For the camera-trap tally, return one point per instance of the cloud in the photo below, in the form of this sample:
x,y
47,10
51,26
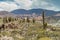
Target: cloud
x,y
24,4
49,6
8,6
7,0
44,4
1,9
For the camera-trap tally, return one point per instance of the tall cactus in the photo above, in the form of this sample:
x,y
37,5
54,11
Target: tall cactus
x,y
44,24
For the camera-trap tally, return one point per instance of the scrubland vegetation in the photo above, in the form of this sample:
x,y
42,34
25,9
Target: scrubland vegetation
x,y
25,29
21,29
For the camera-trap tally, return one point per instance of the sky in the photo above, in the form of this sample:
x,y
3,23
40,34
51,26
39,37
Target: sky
x,y
9,5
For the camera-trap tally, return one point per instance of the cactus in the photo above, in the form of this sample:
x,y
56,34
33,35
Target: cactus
x,y
44,24
9,19
23,20
28,20
33,20
5,20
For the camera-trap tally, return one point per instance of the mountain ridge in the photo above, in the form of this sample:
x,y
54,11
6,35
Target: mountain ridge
x,y
36,11
31,11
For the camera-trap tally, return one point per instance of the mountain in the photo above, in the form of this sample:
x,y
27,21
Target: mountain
x,y
58,14
6,13
20,12
36,11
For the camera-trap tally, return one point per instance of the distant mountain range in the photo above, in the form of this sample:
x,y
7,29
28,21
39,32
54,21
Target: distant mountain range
x,y
31,11
36,11
6,13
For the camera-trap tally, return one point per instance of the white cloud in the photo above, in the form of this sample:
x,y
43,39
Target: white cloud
x,y
44,5
28,4
53,8
8,6
25,4
49,6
